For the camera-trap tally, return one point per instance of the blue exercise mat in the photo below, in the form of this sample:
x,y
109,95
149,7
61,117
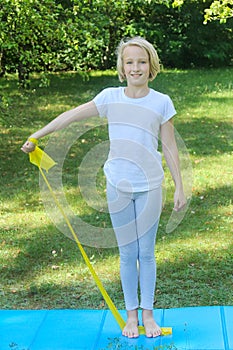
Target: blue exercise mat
x,y
194,328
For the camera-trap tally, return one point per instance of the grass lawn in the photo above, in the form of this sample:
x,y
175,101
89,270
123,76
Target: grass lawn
x,y
42,268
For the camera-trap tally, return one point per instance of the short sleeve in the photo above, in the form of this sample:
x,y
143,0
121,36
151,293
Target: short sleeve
x,y
101,102
169,109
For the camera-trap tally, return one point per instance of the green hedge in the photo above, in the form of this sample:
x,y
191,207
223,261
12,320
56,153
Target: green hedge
x,y
51,35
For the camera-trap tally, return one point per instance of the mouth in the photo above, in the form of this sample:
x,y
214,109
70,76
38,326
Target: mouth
x,y
136,75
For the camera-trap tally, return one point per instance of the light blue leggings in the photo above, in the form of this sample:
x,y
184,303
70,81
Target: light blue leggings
x,y
135,218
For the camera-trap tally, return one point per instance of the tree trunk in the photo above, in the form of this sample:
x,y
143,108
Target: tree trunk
x,y
23,75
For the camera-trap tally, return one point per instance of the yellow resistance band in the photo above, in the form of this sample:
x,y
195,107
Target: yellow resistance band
x,y
42,160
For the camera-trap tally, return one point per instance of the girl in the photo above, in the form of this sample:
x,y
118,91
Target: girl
x,y
136,116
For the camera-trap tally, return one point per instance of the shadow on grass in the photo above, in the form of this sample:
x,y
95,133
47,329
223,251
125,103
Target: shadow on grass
x,y
192,277
206,136
43,248
195,277
46,249
206,205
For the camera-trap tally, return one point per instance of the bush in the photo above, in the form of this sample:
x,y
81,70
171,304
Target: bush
x,y
82,35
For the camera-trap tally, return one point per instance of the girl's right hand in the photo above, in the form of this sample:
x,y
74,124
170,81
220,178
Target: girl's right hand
x,y
179,200
28,147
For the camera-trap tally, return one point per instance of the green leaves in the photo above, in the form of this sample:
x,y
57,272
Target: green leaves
x,y
27,29
219,10
44,36
177,3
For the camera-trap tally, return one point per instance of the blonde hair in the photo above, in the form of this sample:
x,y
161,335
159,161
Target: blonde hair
x,y
144,44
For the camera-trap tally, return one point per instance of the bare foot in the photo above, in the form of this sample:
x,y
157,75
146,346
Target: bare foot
x,y
152,330
131,327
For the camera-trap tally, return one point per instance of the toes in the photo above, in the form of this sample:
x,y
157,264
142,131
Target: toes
x,y
157,333
153,332
130,333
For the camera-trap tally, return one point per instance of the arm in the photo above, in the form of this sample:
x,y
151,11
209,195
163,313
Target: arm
x,y
84,111
171,155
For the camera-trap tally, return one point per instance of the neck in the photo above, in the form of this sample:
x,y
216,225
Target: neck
x,y
136,92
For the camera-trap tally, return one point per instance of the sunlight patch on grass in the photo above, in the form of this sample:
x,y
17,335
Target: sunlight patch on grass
x,y
50,107
27,220
109,72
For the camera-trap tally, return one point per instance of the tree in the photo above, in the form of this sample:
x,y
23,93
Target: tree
x,y
31,37
218,10
52,35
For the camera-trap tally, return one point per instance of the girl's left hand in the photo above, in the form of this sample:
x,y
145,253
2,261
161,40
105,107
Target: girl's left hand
x,y
179,200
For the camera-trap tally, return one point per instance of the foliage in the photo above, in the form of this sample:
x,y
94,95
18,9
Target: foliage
x,y
26,34
36,36
55,35
195,45
219,10
183,41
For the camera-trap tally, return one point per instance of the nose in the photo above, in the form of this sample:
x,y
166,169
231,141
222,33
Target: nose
x,y
135,67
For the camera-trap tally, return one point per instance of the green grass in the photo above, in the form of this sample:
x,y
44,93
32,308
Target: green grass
x,y
42,268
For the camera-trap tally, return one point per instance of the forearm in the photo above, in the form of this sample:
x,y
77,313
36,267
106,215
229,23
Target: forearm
x,y
171,155
170,152
66,118
58,123
172,159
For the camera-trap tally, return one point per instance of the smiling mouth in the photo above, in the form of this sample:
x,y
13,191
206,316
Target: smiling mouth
x,y
136,75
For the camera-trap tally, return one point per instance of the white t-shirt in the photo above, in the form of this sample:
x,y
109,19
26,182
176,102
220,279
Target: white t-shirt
x,y
134,163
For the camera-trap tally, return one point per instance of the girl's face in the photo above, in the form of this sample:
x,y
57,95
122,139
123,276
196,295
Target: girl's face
x,y
136,66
